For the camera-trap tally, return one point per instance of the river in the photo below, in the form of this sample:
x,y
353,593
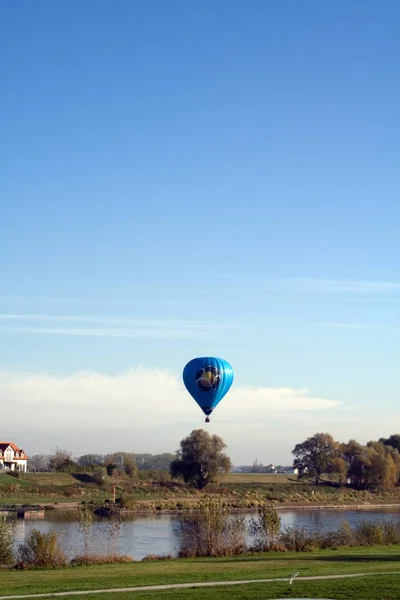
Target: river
x,y
142,535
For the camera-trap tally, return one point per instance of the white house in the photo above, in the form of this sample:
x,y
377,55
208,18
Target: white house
x,y
12,457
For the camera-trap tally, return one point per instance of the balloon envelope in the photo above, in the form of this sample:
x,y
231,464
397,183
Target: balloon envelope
x,y
208,379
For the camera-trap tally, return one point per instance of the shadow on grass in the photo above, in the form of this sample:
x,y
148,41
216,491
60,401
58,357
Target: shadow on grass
x,y
83,477
303,557
361,558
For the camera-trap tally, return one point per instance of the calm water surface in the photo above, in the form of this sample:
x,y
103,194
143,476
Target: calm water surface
x,y
154,534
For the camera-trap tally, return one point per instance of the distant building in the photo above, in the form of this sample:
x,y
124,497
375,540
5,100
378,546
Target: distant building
x,y
12,458
291,470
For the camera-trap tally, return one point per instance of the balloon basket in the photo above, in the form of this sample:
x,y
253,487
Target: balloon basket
x,y
207,420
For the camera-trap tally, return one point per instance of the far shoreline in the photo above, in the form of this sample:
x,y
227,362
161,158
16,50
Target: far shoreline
x,y
71,506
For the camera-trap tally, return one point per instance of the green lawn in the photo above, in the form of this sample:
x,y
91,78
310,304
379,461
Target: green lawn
x,y
266,478
262,566
6,479
380,587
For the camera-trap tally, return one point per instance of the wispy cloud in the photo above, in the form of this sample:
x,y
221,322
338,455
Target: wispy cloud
x,y
348,325
112,326
127,321
106,301
344,285
111,332
318,285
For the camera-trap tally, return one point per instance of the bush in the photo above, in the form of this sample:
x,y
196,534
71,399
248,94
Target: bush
x,y
85,527
6,541
299,539
102,559
391,533
99,475
369,534
265,529
41,550
211,531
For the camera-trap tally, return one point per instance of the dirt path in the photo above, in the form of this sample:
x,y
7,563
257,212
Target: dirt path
x,y
155,588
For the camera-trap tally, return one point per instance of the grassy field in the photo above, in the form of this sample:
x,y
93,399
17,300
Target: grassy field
x,y
264,478
239,490
262,566
371,588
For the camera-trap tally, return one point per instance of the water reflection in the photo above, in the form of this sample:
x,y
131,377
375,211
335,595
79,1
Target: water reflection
x,y
141,535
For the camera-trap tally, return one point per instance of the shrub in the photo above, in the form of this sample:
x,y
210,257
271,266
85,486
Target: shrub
x,y
211,531
6,541
41,550
391,533
99,475
85,526
265,529
298,539
102,559
369,534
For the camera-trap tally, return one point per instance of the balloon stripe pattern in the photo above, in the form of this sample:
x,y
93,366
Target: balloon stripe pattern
x,y
208,379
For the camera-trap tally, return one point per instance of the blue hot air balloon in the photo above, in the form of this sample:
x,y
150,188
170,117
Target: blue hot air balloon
x,y
208,379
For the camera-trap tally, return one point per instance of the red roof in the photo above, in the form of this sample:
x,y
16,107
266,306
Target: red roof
x,y
4,446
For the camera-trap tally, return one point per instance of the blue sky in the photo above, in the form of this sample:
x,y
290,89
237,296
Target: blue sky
x,y
182,179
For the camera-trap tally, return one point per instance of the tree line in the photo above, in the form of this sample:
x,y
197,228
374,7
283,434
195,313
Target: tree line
x,y
371,466
198,461
62,459
201,458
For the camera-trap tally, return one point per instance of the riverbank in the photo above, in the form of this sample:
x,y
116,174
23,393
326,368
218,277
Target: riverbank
x,y
149,510
380,560
243,492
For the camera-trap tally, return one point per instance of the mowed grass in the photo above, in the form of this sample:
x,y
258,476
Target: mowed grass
x,y
267,478
379,587
247,567
6,479
57,479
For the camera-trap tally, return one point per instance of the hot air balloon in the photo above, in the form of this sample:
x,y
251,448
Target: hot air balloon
x,y
208,379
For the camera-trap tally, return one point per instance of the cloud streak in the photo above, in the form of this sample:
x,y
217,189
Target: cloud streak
x,y
70,300
138,322
349,325
322,285
113,326
344,285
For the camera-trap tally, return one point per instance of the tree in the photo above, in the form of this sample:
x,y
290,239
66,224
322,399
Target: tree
x,y
339,466
374,466
315,455
91,460
200,459
358,458
393,441
39,462
130,467
6,541
61,460
154,461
